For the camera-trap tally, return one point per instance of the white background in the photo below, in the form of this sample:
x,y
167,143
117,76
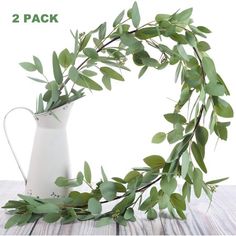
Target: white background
x,y
113,129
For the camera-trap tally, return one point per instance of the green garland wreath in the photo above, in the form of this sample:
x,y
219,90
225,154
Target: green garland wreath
x,y
199,81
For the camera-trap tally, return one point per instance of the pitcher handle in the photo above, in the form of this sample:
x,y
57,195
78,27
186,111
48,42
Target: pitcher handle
x,y
8,140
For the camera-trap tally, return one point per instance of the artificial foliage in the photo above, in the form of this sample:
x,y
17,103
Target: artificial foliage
x,y
99,58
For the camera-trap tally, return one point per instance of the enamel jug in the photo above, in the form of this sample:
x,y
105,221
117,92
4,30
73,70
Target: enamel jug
x,y
50,156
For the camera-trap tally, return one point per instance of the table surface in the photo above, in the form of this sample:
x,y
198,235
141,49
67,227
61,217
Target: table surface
x,y
220,219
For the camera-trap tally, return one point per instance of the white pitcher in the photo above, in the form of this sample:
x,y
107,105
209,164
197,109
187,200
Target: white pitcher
x,y
50,156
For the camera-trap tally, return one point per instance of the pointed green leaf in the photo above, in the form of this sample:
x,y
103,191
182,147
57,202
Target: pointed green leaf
x,y
12,221
135,15
204,29
197,182
175,118
198,156
147,33
216,181
87,172
222,108
182,52
109,72
118,19
102,31
28,66
38,64
209,68
201,134
185,164
85,41
107,82
57,69
177,201
215,89
37,80
159,137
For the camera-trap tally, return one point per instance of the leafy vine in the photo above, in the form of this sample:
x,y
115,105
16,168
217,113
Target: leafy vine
x,y
199,80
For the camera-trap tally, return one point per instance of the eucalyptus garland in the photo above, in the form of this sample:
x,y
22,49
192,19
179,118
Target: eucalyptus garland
x,y
107,54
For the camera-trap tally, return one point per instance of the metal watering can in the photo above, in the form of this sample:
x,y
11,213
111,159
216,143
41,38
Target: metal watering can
x,y
50,155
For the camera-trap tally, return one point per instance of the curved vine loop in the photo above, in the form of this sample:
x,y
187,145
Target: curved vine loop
x,y
199,81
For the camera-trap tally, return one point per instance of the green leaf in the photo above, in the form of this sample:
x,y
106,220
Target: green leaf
x,y
178,70
109,72
152,214
28,66
118,19
182,52
38,64
197,182
155,161
175,118
209,68
56,69
201,134
79,178
133,44
94,206
176,134
222,108
89,73
203,46
191,38
91,53
177,201
204,29
103,174
104,221
131,175
12,221
51,217
221,130
159,137
162,17
40,107
83,80
102,31
215,89
135,15
47,208
107,82
37,80
108,190
142,71
25,217
85,41
168,185
184,15
185,164
124,203
216,181
198,156
87,172
147,33
65,58
129,214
